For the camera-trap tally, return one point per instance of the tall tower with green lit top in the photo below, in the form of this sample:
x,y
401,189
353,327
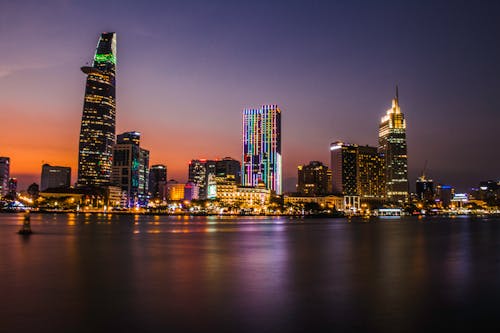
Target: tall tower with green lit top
x,y
97,132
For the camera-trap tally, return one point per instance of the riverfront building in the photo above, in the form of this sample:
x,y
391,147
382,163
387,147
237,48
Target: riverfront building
x,y
392,145
261,160
158,182
97,132
357,171
131,169
314,179
55,177
4,176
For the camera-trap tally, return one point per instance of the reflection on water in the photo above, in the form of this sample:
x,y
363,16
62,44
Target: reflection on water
x,y
87,272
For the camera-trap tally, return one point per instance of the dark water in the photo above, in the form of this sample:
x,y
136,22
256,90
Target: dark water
x,y
89,273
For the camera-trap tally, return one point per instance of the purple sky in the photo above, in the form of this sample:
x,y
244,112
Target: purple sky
x,y
186,69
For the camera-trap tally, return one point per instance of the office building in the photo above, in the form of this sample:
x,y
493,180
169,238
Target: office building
x,y
424,189
392,145
262,158
357,171
202,173
191,191
4,176
131,169
12,191
228,166
175,190
55,177
158,182
314,179
97,132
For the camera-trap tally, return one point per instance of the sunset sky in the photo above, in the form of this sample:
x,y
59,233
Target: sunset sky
x,y
186,70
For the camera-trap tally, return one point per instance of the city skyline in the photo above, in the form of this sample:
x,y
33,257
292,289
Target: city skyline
x,y
327,94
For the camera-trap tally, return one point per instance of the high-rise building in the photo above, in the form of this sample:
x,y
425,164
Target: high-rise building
x,y
12,187
261,160
228,167
4,176
131,168
371,173
55,177
97,133
392,144
357,171
343,163
424,188
314,179
202,172
158,182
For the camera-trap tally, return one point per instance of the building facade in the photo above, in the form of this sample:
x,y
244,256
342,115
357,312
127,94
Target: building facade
x,y
314,179
4,176
202,173
158,182
357,171
131,169
97,132
262,160
228,167
392,145
55,177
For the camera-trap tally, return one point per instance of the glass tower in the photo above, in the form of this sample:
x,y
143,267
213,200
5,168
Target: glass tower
x,y
97,132
392,145
262,147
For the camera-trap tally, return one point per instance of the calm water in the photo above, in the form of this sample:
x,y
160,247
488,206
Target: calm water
x,y
87,273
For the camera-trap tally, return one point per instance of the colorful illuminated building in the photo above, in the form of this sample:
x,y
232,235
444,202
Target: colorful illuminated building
x,y
262,147
131,169
392,145
97,132
314,179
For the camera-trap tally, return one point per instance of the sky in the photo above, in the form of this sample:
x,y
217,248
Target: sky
x,y
187,69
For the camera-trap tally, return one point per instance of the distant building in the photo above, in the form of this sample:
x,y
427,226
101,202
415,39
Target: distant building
x,y
357,171
158,182
202,173
327,202
131,169
392,145
314,179
191,191
424,189
12,188
262,147
175,190
244,197
228,166
4,176
97,132
55,177
444,194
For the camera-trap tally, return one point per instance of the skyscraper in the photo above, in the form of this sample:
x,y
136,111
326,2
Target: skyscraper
x,y
314,179
357,170
158,182
55,177
97,133
4,176
131,168
392,144
228,167
261,160
202,173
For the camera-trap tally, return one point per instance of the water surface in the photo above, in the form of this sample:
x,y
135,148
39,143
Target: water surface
x,y
88,273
